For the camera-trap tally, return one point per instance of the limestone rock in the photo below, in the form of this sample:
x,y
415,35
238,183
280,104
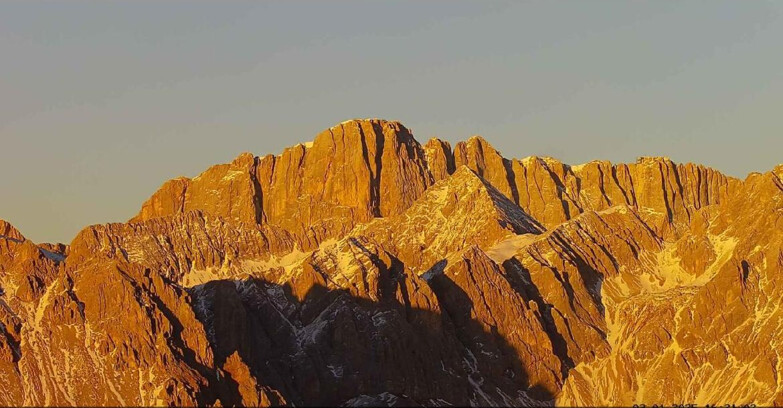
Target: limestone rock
x,y
440,158
364,268
455,213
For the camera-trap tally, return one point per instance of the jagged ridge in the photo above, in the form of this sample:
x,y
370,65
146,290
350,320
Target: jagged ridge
x,y
367,268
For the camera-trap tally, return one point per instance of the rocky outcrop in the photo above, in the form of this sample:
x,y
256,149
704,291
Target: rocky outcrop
x,y
349,174
168,200
705,325
365,268
110,328
352,172
481,297
665,193
440,159
188,248
363,169
455,213
227,190
25,269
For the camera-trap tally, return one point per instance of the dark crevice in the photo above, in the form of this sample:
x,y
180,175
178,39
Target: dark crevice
x,y
512,180
520,280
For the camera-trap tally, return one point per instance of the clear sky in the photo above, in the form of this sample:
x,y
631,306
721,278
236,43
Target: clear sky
x,y
101,102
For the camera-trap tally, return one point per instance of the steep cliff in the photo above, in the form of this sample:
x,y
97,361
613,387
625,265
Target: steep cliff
x,y
364,268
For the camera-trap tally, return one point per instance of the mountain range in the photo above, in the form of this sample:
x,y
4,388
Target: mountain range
x,y
365,268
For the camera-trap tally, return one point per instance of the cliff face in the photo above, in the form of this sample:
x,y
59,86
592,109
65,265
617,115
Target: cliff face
x,y
359,170
349,174
366,268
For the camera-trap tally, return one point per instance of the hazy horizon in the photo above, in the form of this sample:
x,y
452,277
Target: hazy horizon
x,y
103,102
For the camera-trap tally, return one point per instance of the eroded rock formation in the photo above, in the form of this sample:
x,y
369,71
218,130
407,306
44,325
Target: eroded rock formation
x,y
364,268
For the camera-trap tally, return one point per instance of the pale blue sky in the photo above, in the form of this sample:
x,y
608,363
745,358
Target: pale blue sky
x,y
100,102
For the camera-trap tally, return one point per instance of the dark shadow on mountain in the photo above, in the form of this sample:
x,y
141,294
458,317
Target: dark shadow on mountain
x,y
521,282
511,178
176,338
745,271
590,277
325,347
489,354
9,334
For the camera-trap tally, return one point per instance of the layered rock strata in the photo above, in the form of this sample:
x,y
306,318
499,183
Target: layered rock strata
x,y
364,268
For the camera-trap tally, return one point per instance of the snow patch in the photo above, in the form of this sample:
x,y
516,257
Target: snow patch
x,y
337,372
232,175
434,271
527,161
52,255
198,277
507,248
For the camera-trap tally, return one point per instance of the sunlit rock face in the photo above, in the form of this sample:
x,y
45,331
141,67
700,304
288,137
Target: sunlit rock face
x,y
364,268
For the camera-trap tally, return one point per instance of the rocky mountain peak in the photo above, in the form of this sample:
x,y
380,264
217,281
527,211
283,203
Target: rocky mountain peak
x,y
366,268
778,171
361,169
8,231
461,210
